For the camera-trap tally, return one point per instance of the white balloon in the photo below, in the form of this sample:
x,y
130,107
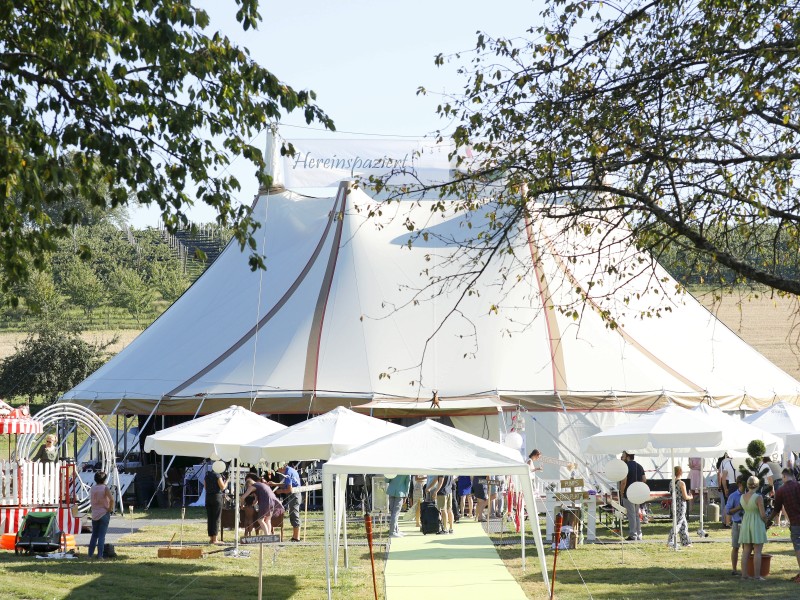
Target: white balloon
x,y
616,469
514,440
638,492
390,475
218,466
214,456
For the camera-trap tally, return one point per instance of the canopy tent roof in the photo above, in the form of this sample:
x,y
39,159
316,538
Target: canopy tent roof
x,y
737,434
354,309
430,448
780,419
219,434
320,438
684,431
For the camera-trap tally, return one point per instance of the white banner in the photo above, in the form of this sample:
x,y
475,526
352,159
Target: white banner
x,y
325,163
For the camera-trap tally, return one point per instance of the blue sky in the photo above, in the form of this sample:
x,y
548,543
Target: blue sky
x,y
365,60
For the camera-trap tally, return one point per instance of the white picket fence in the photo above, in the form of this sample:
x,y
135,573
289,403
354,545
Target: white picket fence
x,y
39,483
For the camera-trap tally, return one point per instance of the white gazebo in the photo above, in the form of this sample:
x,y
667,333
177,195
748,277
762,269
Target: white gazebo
x,y
219,435
672,428
428,448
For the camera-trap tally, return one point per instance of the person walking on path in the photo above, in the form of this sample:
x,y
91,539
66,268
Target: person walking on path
x,y
681,500
464,488
635,473
102,505
753,531
734,509
398,491
788,499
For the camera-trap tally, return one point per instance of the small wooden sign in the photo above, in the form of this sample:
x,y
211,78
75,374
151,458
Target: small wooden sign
x,y
572,496
260,539
571,483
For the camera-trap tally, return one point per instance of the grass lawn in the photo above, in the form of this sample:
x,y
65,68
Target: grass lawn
x,y
605,570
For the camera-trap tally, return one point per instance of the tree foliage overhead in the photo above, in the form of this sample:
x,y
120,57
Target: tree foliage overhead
x,y
679,119
118,101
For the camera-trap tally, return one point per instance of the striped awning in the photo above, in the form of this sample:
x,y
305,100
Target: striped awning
x,y
15,425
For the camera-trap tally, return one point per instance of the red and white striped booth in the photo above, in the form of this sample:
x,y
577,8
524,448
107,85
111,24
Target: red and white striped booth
x,y
11,518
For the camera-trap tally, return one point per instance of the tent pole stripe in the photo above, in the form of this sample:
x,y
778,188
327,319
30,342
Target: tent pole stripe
x,y
275,309
315,334
620,330
557,362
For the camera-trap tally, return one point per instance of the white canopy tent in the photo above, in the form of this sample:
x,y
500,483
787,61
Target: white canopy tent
x,y
781,419
428,448
219,435
319,438
681,431
737,434
356,310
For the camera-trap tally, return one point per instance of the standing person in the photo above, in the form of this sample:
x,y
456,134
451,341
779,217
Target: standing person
x,y
464,490
215,484
635,473
480,488
47,452
268,503
291,481
102,504
442,488
681,500
753,531
735,510
417,495
788,498
726,476
533,465
398,491
695,474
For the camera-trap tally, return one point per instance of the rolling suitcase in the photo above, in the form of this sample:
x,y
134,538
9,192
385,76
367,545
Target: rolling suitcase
x,y
430,518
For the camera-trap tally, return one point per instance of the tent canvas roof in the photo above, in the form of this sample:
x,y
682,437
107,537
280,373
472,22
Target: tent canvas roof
x,y
320,438
430,448
353,310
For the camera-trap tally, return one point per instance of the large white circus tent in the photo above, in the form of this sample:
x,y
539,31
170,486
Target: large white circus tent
x,y
355,309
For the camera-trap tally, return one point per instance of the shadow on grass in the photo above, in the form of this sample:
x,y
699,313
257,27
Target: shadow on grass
x,y
655,582
153,579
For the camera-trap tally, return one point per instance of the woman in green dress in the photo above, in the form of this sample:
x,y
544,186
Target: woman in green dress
x,y
753,531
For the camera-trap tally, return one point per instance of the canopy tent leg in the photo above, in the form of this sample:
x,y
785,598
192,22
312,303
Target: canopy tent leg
x,y
701,532
327,519
674,506
236,506
533,518
341,515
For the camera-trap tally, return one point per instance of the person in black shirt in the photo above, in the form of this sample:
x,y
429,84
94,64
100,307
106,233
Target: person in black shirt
x,y
635,473
214,484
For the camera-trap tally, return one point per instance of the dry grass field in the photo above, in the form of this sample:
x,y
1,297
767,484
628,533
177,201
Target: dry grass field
x,y
10,340
770,324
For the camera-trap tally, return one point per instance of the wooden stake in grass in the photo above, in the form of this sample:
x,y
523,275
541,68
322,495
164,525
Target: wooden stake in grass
x,y
557,540
368,527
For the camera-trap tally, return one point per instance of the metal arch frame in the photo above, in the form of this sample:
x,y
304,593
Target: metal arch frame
x,y
65,410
